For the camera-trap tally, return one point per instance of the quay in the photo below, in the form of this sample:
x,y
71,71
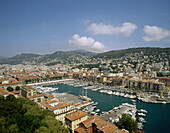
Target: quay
x,y
50,82
72,99
113,115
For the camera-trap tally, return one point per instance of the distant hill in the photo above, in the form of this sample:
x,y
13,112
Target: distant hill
x,y
123,52
20,58
25,56
66,57
1,58
84,52
54,58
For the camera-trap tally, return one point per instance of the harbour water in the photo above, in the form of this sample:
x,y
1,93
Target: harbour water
x,y
158,116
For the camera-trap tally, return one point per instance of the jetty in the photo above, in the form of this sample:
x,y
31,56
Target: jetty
x,y
114,114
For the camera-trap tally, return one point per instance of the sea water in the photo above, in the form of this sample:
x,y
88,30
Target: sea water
x,y
158,116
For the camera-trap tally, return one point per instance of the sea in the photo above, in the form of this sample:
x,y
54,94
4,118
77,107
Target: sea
x,y
158,116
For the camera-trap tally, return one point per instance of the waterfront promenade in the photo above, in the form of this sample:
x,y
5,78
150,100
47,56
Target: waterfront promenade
x,y
50,82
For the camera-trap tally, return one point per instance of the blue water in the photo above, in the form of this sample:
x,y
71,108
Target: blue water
x,y
158,116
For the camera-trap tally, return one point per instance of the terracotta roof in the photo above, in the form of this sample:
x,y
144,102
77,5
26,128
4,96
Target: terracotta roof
x,y
81,103
15,92
48,95
39,95
24,77
3,91
52,101
108,81
75,115
80,130
101,124
11,83
60,105
5,78
27,87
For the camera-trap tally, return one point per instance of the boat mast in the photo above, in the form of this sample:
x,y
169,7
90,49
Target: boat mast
x,y
82,91
86,92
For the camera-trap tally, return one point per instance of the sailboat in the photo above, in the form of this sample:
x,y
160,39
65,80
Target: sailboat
x,y
84,96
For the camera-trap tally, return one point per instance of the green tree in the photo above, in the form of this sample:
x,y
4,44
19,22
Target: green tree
x,y
127,122
2,125
24,116
2,98
42,129
17,88
55,126
13,128
26,81
9,88
11,98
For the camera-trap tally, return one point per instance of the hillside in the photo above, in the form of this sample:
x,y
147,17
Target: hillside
x,y
48,59
20,115
77,56
20,58
145,50
84,52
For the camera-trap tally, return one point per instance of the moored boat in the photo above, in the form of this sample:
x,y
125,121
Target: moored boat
x,y
141,114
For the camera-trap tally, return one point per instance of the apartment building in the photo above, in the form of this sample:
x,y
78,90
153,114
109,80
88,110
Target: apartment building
x,y
60,109
27,91
72,120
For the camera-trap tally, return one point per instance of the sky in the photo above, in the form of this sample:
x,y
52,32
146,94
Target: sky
x,y
46,26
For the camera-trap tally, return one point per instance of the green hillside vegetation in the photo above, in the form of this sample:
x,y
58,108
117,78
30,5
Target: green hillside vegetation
x,y
58,54
84,52
20,115
18,59
120,53
66,57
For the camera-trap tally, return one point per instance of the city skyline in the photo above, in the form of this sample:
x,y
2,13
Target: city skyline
x,y
44,27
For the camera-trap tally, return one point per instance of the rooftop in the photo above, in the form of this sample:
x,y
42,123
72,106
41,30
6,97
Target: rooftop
x,y
39,95
76,115
27,87
58,106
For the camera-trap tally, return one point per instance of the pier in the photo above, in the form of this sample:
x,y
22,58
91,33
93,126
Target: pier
x,y
113,115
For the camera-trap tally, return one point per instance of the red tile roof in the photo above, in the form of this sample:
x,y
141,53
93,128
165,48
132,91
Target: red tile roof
x,y
75,115
101,124
27,87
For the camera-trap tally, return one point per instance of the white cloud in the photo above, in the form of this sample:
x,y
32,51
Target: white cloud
x,y
86,43
126,29
154,33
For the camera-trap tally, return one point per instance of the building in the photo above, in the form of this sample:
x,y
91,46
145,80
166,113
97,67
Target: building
x,y
27,91
12,84
72,120
145,85
5,93
97,125
60,109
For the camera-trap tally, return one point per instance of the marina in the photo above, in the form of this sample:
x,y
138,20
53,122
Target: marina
x,y
105,103
158,114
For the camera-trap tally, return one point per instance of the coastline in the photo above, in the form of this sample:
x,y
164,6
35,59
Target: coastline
x,y
138,96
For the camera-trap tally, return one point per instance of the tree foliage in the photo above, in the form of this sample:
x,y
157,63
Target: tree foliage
x,y
20,115
17,88
9,88
128,123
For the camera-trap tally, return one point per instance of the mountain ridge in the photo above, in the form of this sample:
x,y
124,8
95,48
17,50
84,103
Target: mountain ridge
x,y
75,55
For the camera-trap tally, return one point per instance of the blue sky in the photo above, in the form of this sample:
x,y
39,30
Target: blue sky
x,y
46,26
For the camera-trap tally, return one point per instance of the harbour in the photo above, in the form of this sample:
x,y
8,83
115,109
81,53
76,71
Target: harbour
x,y
157,114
